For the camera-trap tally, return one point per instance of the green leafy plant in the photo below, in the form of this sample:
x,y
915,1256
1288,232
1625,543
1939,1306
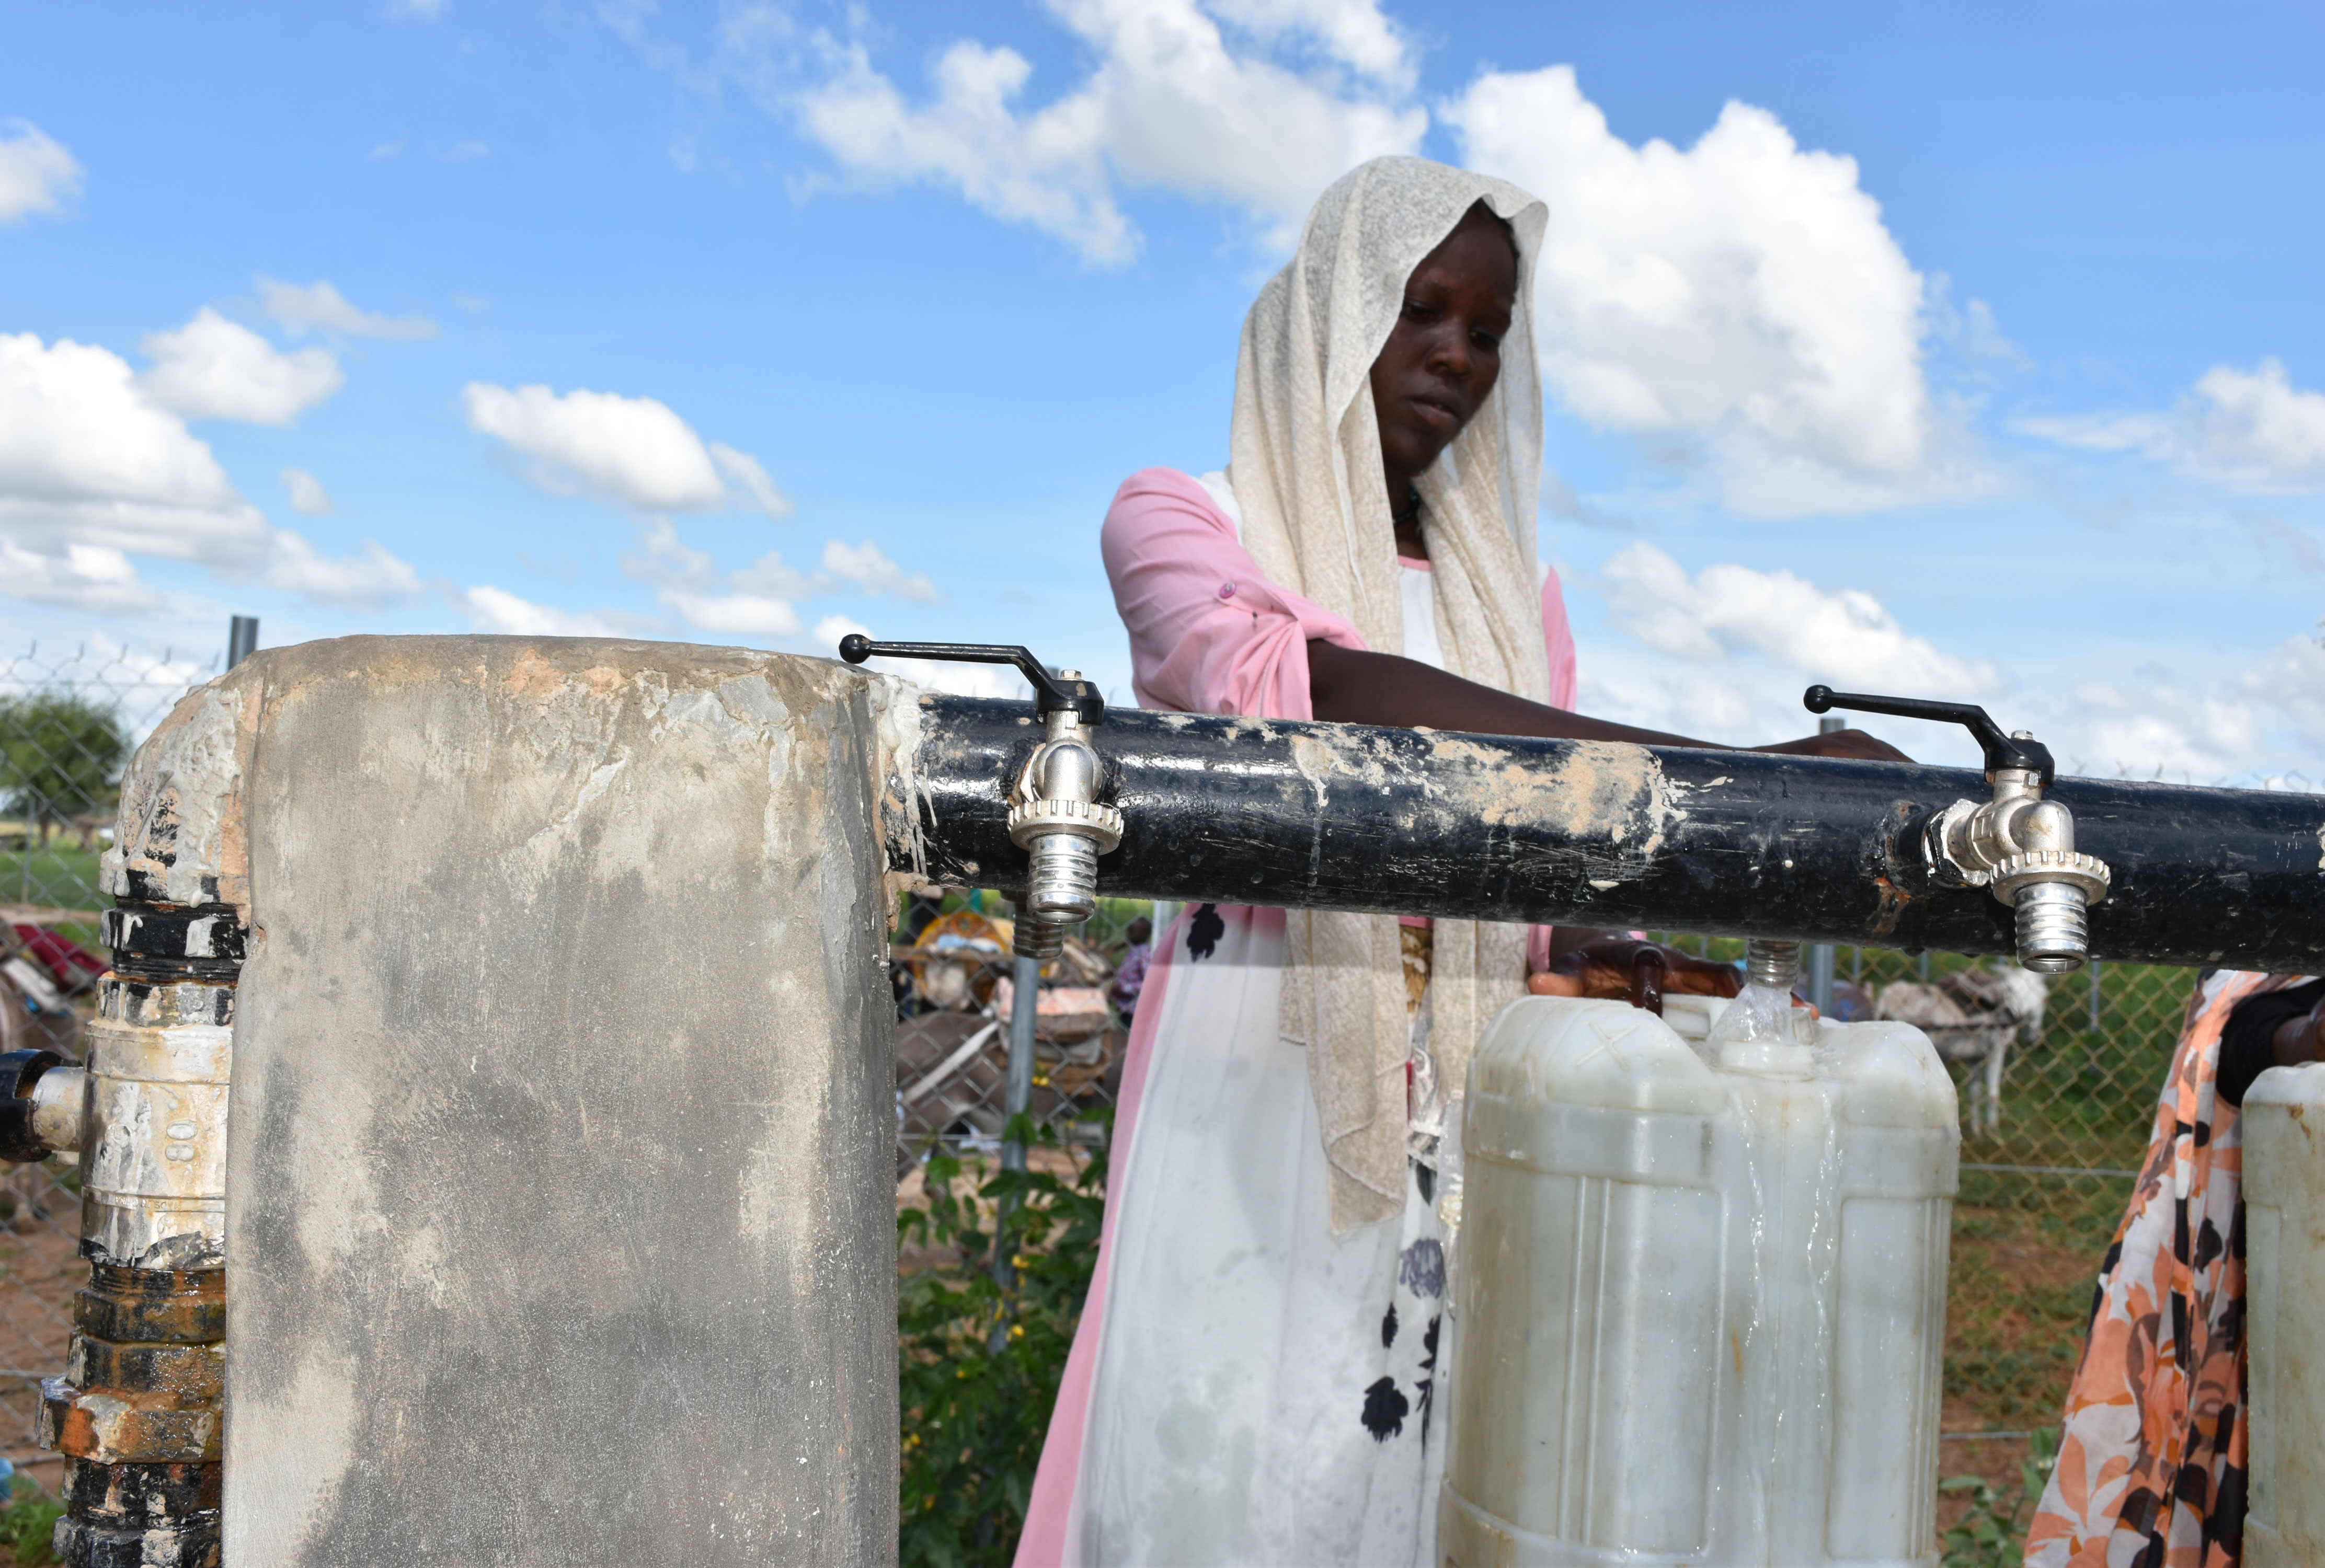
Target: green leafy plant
x,y
1992,1533
981,1360
59,755
28,1522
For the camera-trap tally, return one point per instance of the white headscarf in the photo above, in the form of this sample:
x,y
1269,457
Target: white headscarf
x,y
1306,468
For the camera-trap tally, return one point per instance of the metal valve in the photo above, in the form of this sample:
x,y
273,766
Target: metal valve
x,y
2018,845
1054,813
39,1105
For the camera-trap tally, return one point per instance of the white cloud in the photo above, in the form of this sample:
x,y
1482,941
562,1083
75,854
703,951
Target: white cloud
x,y
318,307
2178,734
1741,287
86,458
756,602
665,559
308,497
2177,723
498,610
1843,635
752,489
868,566
77,576
369,579
2250,430
36,174
1355,34
418,10
994,680
1739,305
1621,687
633,452
1172,103
92,472
771,576
740,615
212,368
2291,681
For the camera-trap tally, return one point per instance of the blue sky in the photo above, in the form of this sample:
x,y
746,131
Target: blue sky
x,y
1967,350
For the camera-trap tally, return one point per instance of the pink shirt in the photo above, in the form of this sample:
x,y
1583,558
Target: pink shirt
x,y
1209,634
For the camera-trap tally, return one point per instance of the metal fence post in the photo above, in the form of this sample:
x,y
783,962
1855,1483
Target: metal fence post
x,y
1026,998
241,640
1820,953
2091,1061
1025,1001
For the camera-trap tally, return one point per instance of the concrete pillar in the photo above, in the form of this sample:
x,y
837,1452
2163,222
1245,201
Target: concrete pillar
x,y
560,1197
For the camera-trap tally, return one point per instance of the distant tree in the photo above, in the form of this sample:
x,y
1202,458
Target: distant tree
x,y
61,756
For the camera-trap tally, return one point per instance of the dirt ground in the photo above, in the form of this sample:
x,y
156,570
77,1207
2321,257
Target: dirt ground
x,y
41,1266
2021,1287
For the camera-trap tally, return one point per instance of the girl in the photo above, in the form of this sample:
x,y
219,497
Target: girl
x,y
1255,1373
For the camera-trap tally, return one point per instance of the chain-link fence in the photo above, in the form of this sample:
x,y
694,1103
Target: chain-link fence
x,y
2059,1084
2059,1079
953,968
68,725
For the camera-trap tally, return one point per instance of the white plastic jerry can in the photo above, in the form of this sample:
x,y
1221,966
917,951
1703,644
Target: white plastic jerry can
x,y
2284,1301
1701,1307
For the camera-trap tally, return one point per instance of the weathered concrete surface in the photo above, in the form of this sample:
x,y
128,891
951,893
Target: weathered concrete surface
x,y
560,1221
178,838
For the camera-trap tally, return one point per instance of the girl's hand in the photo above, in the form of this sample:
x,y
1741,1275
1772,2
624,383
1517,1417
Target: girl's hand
x,y
2301,1039
1639,973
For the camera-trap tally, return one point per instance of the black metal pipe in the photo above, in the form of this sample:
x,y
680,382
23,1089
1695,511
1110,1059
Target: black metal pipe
x,y
1346,817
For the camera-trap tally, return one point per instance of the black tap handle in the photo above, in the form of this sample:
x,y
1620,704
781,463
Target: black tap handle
x,y
2002,751
1051,695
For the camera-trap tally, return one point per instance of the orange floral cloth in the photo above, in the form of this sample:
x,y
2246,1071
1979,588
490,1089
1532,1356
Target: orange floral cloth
x,y
2152,1468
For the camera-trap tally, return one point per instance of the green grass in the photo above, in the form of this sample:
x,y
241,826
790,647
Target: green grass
x,y
28,1521
1991,1531
60,875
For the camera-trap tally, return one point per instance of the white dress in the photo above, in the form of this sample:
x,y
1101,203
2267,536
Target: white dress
x,y
1264,1394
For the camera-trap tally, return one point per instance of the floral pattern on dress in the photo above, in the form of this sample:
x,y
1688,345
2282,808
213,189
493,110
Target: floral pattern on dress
x,y
2152,1466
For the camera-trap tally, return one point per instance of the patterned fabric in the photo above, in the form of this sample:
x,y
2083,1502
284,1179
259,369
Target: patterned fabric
x,y
2152,1470
1131,977
1413,942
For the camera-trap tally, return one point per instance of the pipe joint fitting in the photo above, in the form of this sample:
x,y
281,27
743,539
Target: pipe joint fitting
x,y
41,1101
1055,817
2019,844
2021,847
1772,963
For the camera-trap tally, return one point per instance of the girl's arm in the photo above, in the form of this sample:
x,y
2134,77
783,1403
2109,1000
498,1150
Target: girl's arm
x,y
2297,1040
1349,685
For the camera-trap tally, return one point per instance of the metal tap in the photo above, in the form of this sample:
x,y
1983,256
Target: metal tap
x,y
2017,845
41,1106
1055,815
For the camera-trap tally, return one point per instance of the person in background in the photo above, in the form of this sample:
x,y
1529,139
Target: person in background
x,y
1130,975
2153,1464
1253,1376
